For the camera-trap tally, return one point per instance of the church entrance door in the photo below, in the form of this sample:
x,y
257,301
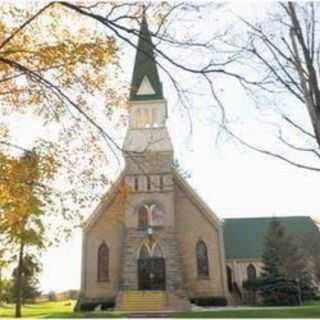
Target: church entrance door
x,y
151,273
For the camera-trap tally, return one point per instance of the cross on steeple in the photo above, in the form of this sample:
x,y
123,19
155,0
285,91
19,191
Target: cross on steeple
x,y
145,84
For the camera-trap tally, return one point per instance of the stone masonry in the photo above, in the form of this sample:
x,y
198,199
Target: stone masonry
x,y
166,237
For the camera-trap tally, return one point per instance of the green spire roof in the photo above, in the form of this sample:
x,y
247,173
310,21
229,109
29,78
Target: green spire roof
x,y
145,66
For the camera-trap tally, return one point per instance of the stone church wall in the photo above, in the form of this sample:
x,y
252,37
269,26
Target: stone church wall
x,y
166,238
192,226
165,235
109,228
163,199
149,162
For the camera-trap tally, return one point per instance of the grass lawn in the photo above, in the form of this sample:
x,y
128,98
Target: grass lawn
x,y
258,312
60,309
64,309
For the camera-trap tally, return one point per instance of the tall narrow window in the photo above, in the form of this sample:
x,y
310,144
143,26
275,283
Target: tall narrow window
x,y
146,118
202,259
143,217
138,121
154,118
148,183
251,272
103,263
136,184
229,279
161,183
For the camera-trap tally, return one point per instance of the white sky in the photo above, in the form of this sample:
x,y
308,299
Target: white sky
x,y
235,182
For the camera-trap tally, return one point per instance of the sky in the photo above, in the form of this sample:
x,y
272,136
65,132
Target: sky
x,y
234,181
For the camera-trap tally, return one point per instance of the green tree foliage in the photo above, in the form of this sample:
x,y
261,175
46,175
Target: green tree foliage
x,y
52,296
3,264
21,214
311,245
6,291
72,294
286,276
30,283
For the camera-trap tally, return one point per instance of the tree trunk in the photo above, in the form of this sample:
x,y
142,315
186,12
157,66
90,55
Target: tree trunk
x,y
309,84
19,282
0,286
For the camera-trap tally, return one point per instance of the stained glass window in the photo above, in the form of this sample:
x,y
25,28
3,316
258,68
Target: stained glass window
x,y
144,252
103,263
202,259
143,217
251,272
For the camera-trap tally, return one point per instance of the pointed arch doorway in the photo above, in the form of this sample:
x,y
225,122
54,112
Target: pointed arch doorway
x,y
151,268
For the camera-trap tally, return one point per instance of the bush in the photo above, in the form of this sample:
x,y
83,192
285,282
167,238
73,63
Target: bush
x,y
91,306
210,301
72,294
251,285
52,296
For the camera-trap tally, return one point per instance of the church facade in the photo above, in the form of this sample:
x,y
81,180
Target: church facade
x,y
151,231
152,243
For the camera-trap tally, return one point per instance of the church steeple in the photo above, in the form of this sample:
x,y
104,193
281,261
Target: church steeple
x,y
147,107
145,84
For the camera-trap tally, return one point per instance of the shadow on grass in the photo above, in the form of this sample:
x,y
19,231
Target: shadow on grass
x,y
79,315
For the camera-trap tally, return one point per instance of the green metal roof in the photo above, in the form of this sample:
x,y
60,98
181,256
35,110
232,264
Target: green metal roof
x,y
145,65
244,237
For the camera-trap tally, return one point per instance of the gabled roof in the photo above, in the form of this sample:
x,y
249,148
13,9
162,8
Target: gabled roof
x,y
105,201
244,237
145,66
198,202
181,182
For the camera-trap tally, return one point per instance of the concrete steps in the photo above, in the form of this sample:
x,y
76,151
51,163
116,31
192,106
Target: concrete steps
x,y
140,301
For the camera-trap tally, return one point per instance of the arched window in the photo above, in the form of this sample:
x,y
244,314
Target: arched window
x,y
144,252
157,252
202,259
251,272
103,263
150,250
143,217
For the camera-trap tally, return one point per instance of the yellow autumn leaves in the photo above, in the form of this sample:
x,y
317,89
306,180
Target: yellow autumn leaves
x,y
54,47
21,181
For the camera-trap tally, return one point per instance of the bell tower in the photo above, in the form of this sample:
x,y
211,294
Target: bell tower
x,y
147,107
150,207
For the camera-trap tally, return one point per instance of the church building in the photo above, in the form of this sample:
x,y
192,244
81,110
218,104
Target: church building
x,y
158,245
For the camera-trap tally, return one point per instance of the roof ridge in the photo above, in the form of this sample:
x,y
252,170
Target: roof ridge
x,y
269,217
